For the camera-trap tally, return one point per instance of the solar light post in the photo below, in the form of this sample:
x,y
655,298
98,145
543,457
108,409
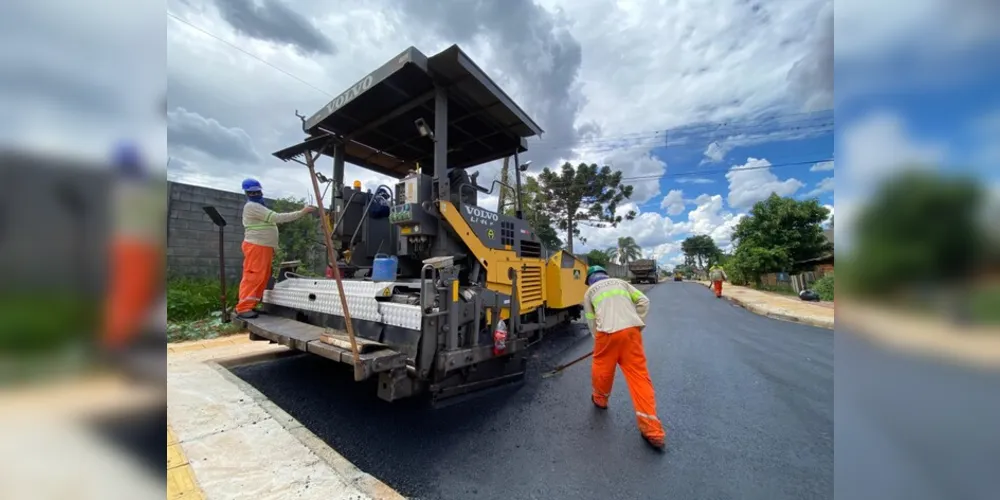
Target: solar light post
x,y
220,221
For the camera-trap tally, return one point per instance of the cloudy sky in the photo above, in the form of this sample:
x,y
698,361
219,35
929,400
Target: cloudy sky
x,y
706,106
680,96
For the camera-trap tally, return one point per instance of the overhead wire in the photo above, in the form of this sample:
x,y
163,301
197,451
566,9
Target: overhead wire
x,y
251,54
733,132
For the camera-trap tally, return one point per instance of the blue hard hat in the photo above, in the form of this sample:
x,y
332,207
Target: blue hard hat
x,y
126,160
251,185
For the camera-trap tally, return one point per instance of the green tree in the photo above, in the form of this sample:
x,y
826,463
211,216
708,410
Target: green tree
x,y
299,240
597,258
700,251
779,232
586,195
919,228
749,262
685,269
626,251
533,203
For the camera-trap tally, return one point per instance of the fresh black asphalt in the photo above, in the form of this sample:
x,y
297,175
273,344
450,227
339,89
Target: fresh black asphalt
x,y
747,402
914,428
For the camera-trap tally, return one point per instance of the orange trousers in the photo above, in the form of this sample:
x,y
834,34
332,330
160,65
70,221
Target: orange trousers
x,y
624,348
717,286
256,271
136,269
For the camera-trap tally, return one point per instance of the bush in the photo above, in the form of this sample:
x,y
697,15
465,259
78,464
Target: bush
x,y
196,298
824,287
43,322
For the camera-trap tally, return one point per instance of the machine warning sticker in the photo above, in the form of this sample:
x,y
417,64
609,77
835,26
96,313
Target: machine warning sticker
x,y
490,234
576,274
386,292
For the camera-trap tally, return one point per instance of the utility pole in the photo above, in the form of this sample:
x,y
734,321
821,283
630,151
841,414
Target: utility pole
x,y
505,179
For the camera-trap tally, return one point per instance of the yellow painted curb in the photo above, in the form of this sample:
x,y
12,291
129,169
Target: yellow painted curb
x,y
181,483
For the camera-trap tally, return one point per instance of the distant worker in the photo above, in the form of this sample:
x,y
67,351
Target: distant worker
x,y
260,226
717,274
616,313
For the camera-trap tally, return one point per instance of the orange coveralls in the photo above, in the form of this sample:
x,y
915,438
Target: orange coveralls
x,y
137,259
615,312
256,271
717,275
260,225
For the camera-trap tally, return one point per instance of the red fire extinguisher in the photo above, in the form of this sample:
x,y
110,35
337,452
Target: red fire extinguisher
x,y
500,338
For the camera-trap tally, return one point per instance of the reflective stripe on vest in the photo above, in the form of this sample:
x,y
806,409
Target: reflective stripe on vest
x,y
260,226
634,296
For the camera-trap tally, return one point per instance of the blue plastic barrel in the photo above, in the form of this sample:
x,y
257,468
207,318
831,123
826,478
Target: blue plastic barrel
x,y
384,267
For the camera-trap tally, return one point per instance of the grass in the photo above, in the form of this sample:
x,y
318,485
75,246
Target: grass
x,y
193,309
985,305
35,323
200,329
824,287
781,289
190,299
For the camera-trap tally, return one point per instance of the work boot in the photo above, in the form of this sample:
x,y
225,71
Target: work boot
x,y
247,315
656,443
598,405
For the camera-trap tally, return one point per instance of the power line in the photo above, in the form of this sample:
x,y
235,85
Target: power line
x,y
258,58
736,131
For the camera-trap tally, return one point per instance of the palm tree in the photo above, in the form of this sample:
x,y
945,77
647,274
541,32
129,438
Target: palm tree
x,y
626,251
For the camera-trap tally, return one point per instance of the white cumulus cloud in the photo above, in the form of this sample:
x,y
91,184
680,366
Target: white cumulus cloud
x,y
754,181
878,146
823,186
673,202
822,166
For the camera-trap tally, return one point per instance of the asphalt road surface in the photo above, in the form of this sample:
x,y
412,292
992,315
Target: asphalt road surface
x,y
747,402
914,429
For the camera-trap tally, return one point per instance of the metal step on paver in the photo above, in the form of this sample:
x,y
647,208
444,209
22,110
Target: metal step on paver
x,y
329,343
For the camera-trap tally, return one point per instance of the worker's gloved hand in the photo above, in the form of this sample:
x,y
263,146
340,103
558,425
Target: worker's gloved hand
x,y
309,209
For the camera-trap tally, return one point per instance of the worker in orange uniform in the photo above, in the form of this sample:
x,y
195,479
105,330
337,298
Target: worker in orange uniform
x,y
260,226
717,275
138,237
616,313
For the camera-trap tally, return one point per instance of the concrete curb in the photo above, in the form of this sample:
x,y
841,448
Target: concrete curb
x,y
332,475
364,482
829,325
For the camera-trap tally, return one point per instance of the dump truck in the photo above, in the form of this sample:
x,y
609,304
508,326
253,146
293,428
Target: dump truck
x,y
474,289
643,271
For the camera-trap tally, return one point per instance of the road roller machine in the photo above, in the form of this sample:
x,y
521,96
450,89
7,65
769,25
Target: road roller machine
x,y
445,296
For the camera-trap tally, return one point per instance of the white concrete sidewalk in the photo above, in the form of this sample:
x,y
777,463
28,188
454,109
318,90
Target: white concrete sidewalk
x,y
240,445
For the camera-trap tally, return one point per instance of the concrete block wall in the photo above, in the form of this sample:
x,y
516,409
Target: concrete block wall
x,y
54,224
192,238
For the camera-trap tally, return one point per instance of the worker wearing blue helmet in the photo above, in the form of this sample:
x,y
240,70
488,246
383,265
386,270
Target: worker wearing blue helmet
x,y
137,240
260,225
